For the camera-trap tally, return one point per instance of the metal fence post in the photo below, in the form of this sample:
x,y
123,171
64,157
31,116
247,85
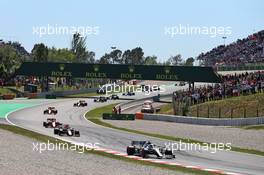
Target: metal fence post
x,y
208,111
197,110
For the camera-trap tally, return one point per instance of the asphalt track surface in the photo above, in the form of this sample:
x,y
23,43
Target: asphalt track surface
x,y
32,118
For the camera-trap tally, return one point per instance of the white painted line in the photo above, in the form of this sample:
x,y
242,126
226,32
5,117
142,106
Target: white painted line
x,y
193,167
121,154
176,164
230,173
159,161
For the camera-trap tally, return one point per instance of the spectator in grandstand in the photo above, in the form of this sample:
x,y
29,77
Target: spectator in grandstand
x,y
233,85
249,50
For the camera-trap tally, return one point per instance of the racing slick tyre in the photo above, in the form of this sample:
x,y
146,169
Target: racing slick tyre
x,y
143,154
169,154
130,151
45,124
56,131
77,133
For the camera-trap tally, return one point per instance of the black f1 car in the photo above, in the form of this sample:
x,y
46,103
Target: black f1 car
x,y
100,99
51,123
128,94
66,130
146,149
113,97
80,103
51,110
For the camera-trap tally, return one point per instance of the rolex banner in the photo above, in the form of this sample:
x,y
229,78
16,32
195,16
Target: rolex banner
x,y
117,71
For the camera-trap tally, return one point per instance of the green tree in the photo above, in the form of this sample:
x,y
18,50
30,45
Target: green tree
x,y
105,59
137,56
78,47
10,60
116,56
174,60
151,60
40,53
189,61
134,56
60,55
126,57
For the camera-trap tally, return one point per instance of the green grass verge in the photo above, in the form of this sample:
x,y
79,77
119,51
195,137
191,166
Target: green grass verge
x,y
95,116
44,138
254,127
5,91
166,109
235,107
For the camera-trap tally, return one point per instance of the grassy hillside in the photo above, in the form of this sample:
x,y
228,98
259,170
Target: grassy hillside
x,y
243,106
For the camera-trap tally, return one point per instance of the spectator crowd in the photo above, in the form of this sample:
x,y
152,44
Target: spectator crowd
x,y
233,85
245,51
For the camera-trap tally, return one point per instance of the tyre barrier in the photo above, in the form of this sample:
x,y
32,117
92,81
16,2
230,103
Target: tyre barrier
x,y
110,116
8,96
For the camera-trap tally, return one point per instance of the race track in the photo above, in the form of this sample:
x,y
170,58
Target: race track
x,y
32,118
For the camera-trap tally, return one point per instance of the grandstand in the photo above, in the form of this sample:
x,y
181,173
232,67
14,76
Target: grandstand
x,y
243,52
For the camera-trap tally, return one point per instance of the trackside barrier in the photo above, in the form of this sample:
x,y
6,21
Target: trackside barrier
x,y
205,121
31,95
110,116
51,96
8,96
68,92
139,116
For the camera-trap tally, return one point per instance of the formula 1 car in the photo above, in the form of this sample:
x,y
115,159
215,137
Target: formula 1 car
x,y
80,103
66,130
100,99
113,97
51,123
128,94
101,91
51,110
146,149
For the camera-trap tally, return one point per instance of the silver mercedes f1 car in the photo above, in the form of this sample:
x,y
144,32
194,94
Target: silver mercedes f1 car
x,y
147,149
